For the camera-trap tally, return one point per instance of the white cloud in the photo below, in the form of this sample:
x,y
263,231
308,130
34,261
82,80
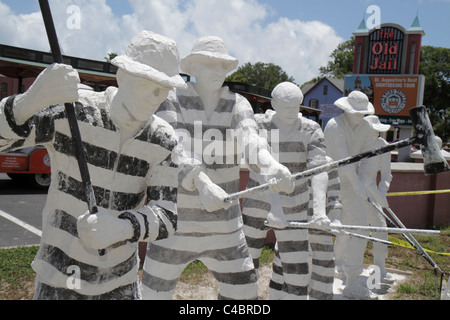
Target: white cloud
x,y
21,30
299,47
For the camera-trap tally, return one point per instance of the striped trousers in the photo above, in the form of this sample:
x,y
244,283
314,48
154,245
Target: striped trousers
x,y
290,276
225,255
297,273
304,260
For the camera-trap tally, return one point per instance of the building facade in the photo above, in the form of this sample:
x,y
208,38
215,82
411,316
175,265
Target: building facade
x,y
322,96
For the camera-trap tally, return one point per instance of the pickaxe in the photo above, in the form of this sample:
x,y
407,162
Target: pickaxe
x,y
434,162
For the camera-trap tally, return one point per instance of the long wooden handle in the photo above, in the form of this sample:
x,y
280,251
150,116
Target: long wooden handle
x,y
327,167
70,110
367,229
71,117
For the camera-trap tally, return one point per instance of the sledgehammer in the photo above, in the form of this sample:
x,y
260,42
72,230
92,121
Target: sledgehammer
x,y
434,162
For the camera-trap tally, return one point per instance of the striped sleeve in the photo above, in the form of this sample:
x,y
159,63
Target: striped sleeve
x,y
246,129
334,203
40,129
158,219
188,166
151,223
160,215
316,147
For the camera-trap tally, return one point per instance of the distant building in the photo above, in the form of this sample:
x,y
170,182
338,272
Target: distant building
x,y
19,67
259,98
322,96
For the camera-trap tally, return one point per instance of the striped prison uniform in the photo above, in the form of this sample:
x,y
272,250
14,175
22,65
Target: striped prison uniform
x,y
298,150
214,238
322,253
124,177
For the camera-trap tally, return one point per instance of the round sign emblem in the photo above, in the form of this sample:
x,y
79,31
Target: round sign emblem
x,y
393,101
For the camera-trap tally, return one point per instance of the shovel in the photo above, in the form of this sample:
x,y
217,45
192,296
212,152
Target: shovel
x,y
434,162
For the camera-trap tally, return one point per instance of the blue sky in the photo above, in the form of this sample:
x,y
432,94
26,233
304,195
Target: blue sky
x,y
345,15
298,35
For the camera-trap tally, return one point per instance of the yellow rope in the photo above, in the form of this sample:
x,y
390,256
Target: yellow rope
x,y
414,193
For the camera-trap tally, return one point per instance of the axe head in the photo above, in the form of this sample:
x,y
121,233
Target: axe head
x,y
433,160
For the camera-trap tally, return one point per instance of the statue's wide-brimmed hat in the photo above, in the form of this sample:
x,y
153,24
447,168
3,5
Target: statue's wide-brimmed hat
x,y
209,48
357,103
375,123
154,57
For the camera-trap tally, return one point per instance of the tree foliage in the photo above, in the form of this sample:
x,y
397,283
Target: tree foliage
x,y
264,75
342,61
110,56
435,65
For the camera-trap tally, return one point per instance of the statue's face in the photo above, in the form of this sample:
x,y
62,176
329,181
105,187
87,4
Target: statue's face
x,y
287,113
210,73
355,118
143,97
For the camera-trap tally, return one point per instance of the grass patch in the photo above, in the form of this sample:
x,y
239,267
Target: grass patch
x,y
267,255
17,277
424,284
195,271
16,274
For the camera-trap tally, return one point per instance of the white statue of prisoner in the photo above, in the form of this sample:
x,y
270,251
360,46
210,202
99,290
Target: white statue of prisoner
x,y
129,152
347,135
371,170
209,229
300,146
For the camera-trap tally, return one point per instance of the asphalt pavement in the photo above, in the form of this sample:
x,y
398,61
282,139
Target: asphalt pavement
x,y
20,213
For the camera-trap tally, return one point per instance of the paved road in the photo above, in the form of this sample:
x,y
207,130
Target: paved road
x,y
20,213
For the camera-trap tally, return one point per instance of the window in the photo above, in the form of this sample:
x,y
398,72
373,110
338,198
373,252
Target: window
x,y
325,90
313,103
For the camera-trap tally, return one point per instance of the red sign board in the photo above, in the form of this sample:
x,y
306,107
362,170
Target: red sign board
x,y
385,50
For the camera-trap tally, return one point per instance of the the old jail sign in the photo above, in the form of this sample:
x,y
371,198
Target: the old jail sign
x,y
385,50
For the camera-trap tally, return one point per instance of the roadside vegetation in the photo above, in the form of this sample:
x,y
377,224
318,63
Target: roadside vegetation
x,y
422,283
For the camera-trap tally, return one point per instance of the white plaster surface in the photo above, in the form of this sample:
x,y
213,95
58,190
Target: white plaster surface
x,y
383,293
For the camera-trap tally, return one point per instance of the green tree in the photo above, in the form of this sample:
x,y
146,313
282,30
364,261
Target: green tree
x,y
110,56
342,61
264,75
435,66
